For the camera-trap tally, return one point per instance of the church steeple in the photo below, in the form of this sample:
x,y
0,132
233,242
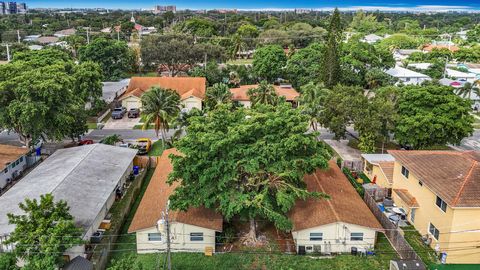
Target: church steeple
x,y
132,19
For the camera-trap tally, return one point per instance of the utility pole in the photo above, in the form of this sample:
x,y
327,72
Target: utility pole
x,y
18,36
8,51
163,226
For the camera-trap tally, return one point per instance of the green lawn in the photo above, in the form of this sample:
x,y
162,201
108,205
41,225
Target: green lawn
x,y
455,267
140,126
91,125
157,149
426,253
240,62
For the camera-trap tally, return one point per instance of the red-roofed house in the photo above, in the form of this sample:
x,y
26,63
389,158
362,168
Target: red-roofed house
x,y
191,90
335,225
240,94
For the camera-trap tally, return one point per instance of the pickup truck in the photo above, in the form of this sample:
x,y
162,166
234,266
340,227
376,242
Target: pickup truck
x,y
143,145
118,113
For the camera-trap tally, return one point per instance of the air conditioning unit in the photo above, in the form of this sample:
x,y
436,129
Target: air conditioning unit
x,y
309,249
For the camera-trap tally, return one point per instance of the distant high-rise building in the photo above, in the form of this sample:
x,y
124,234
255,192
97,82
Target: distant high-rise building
x,y
163,9
12,8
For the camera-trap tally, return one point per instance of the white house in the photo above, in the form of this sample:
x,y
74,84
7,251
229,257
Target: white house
x,y
407,76
403,54
372,38
422,66
191,90
461,76
191,231
335,225
13,162
86,177
240,94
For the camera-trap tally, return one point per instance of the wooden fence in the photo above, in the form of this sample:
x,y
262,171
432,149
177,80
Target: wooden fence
x,y
393,233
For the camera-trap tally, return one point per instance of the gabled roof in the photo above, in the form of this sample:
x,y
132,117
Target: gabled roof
x,y
387,170
460,74
452,175
182,85
79,263
430,47
155,199
345,205
400,72
10,153
240,93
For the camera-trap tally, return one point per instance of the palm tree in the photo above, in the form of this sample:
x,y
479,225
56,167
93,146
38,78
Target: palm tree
x,y
312,100
466,90
264,94
219,93
160,106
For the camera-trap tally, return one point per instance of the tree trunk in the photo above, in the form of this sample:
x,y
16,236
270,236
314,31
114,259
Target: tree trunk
x,y
253,230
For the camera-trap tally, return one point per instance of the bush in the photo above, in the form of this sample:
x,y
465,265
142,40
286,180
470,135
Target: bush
x,y
8,261
359,188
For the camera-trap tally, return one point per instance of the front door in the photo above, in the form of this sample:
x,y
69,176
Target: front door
x,y
301,250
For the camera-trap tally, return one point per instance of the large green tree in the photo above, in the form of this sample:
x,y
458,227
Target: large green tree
x,y
88,81
43,232
331,74
247,163
177,53
305,65
217,94
432,115
312,101
114,57
268,62
264,93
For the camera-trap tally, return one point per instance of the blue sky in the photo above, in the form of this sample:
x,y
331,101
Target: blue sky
x,y
264,4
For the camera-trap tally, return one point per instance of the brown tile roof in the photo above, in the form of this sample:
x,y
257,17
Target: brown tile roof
x,y
47,40
387,169
10,153
156,197
453,176
406,197
344,204
430,47
196,86
240,93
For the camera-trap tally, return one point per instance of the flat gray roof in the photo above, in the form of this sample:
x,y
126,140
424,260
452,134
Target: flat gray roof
x,y
83,176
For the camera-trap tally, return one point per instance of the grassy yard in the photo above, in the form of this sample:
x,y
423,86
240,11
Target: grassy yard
x,y
426,253
240,62
140,126
91,125
157,149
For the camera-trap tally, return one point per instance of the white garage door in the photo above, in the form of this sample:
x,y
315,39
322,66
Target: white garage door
x,y
132,105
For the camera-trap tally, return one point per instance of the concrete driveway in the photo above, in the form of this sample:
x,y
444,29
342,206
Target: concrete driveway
x,y
124,123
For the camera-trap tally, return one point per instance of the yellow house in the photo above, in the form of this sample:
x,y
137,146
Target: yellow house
x,y
379,168
440,190
191,90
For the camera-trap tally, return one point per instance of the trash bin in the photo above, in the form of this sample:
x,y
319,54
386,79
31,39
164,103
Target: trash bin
x,y
136,169
354,251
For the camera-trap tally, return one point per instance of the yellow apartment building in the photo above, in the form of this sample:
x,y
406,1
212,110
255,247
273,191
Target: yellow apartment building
x,y
440,190
379,168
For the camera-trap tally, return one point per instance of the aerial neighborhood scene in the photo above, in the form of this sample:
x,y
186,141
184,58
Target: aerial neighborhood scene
x,y
240,135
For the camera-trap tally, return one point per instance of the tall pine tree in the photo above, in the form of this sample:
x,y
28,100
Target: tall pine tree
x,y
331,59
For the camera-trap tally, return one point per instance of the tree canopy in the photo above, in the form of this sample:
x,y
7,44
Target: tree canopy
x,y
268,62
247,163
43,233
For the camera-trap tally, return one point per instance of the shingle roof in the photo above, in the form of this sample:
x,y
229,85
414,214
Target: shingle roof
x,y
182,85
406,197
9,154
430,47
453,176
240,93
79,263
155,199
344,205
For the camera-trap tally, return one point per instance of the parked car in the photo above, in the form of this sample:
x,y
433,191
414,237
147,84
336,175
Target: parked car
x,y
118,113
85,142
143,145
133,113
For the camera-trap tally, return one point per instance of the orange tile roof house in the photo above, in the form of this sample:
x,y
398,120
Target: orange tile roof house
x,y
440,191
240,93
334,225
193,230
12,163
191,90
